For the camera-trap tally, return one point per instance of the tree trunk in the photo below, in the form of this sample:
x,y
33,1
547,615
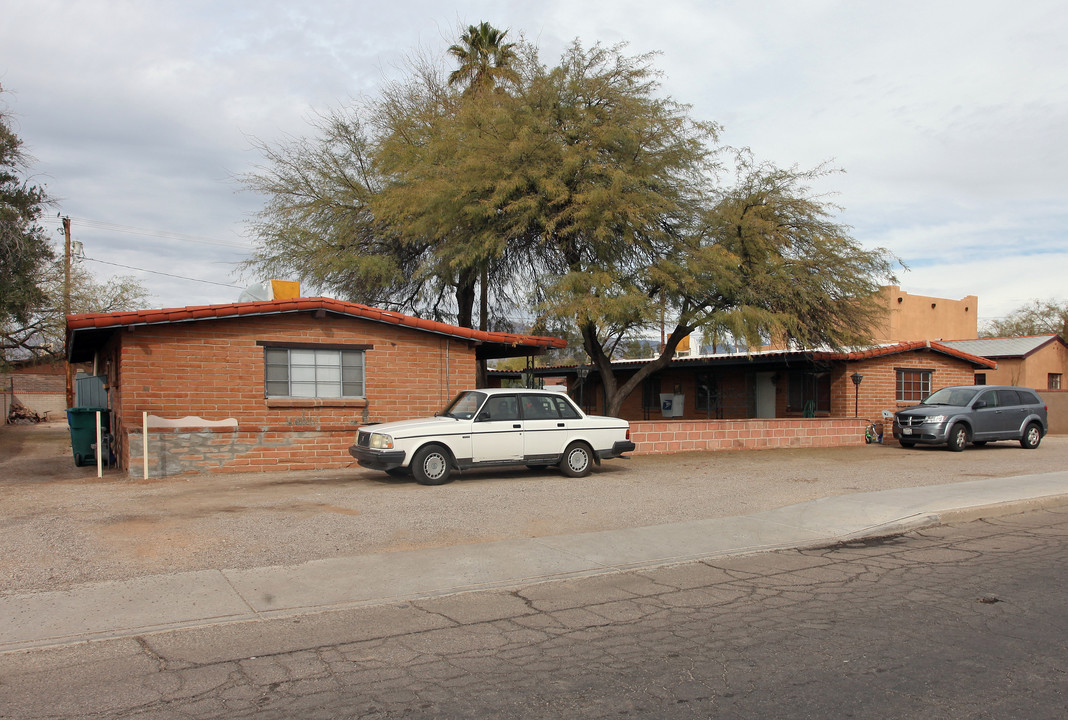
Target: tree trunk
x,y
465,300
617,394
481,369
483,300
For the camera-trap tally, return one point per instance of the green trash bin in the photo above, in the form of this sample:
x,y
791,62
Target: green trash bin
x,y
82,421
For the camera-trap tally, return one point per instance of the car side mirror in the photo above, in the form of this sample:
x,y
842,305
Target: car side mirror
x,y
483,416
979,404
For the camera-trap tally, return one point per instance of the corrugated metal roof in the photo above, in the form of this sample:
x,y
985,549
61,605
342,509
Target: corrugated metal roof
x,y
1001,347
852,354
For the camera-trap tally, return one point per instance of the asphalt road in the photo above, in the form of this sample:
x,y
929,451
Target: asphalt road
x,y
964,621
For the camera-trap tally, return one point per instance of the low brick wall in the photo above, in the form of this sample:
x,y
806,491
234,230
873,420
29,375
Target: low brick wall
x,y
177,451
669,436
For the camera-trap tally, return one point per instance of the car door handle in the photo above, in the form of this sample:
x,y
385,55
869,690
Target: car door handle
x,y
559,425
517,426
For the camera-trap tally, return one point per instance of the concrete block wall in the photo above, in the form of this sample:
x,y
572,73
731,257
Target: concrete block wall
x,y
667,436
43,393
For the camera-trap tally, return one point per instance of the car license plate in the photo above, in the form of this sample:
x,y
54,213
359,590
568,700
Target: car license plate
x,y
906,431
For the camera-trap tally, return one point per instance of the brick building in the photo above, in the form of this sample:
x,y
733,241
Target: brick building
x,y
272,385
783,384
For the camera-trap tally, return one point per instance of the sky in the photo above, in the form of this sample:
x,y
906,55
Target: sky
x,y
949,118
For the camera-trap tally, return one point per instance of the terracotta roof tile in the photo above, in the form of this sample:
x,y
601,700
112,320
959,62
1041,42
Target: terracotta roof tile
x,y
271,307
909,346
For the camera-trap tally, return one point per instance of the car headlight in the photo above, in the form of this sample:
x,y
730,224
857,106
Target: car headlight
x,y
381,442
934,419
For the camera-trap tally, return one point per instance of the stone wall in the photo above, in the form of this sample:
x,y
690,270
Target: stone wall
x,y
177,451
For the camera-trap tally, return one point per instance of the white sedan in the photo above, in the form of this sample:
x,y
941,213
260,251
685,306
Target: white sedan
x,y
500,426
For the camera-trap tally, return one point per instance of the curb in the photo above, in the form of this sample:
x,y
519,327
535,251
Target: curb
x,y
1010,507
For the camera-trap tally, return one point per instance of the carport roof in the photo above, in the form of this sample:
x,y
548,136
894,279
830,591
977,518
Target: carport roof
x,y
86,332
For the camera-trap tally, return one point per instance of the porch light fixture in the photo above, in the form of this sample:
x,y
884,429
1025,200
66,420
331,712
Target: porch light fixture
x,y
856,378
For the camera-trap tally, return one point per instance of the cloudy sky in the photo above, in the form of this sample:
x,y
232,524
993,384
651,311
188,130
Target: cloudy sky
x,y
950,118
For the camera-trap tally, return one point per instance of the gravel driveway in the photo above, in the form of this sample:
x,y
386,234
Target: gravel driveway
x,y
61,525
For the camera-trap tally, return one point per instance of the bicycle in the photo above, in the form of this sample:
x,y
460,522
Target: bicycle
x,y
873,433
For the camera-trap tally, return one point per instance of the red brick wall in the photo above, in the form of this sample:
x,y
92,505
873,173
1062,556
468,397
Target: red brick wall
x,y
734,386
214,369
878,389
34,383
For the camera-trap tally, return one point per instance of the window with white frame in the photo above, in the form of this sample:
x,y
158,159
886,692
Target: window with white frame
x,y
1053,381
913,385
314,372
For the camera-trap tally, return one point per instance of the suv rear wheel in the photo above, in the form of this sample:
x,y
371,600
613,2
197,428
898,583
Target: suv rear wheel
x,y
1032,437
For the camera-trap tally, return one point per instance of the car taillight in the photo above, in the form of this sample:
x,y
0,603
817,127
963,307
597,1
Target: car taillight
x,y
628,434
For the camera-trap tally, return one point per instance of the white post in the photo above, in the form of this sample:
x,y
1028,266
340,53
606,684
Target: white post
x,y
99,449
144,443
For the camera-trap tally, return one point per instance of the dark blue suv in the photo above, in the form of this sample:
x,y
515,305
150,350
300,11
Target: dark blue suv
x,y
977,414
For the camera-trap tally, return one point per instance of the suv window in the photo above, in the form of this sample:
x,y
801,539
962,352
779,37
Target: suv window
x,y
990,398
1029,398
1008,397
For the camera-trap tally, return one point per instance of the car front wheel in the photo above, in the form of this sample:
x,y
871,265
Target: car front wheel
x,y
577,460
1032,437
431,465
958,438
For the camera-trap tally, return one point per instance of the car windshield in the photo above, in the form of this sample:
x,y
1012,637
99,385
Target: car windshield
x,y
465,405
958,397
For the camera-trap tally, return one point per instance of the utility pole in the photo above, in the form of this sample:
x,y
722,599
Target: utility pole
x,y
66,304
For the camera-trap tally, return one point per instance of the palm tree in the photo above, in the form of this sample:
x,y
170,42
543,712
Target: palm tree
x,y
485,58
485,61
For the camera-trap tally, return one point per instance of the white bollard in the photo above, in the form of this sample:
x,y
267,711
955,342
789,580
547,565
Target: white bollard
x,y
144,442
99,449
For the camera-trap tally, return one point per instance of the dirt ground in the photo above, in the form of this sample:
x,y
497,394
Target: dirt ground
x,y
61,525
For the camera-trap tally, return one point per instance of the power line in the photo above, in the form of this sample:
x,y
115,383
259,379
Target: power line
x,y
161,234
156,272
